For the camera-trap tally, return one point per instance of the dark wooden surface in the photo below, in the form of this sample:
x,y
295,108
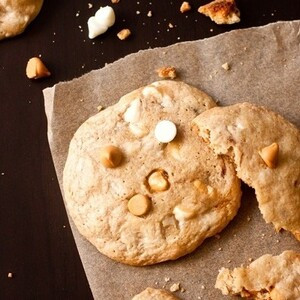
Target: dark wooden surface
x,y
36,242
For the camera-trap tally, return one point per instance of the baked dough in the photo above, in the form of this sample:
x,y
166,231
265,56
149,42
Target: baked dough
x,y
269,277
155,294
241,131
201,194
221,11
15,15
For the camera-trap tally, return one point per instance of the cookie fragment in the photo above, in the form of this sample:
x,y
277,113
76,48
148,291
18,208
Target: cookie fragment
x,y
268,277
167,72
240,132
221,11
15,16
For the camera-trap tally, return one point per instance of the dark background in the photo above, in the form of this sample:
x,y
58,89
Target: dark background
x,y
36,242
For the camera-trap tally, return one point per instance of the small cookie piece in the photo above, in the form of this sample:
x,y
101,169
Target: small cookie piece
x,y
244,132
16,15
148,209
268,277
221,11
36,69
167,72
155,294
124,34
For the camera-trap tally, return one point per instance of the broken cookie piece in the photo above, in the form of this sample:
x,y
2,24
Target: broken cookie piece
x,y
268,277
221,11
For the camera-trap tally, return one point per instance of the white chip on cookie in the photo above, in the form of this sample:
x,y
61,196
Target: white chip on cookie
x,y
145,209
165,131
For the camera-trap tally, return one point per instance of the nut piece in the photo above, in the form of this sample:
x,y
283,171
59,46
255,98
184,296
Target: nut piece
x,y
36,69
167,72
110,156
165,131
221,11
269,155
158,181
124,34
185,6
139,205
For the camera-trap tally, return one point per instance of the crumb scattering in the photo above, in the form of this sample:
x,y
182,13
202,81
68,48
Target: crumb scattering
x,y
226,66
124,34
175,287
149,14
167,72
185,7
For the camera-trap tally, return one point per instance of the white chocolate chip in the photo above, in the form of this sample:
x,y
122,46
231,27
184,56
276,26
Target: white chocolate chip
x,y
95,28
106,16
181,213
151,91
103,19
133,112
165,131
138,130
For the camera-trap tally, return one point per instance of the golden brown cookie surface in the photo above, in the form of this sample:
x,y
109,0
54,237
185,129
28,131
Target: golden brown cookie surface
x,y
163,199
16,15
268,277
265,149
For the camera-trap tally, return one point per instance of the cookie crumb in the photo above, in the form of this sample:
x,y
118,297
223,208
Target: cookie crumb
x,y
250,259
277,241
185,6
138,12
229,261
226,66
182,290
167,279
124,34
90,5
171,25
115,1
99,108
220,249
203,287
167,72
248,219
175,287
10,275
149,14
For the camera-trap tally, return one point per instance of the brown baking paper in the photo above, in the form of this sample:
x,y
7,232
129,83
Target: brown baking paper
x,y
264,69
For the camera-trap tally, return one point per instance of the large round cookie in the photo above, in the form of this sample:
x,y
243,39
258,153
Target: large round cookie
x,y
268,277
245,132
154,294
15,15
201,194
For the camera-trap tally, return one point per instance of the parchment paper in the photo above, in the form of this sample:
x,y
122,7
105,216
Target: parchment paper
x,y
265,69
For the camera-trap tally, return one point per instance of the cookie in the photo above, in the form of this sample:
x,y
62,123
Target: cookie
x,y
265,149
141,201
268,277
16,15
155,294
221,11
